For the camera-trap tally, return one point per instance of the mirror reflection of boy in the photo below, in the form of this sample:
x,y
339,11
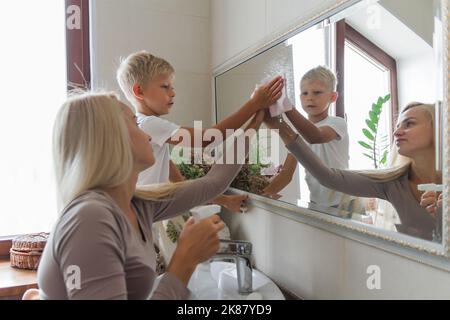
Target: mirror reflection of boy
x,y
327,136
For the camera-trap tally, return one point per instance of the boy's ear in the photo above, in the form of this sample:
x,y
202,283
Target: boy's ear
x,y
137,91
334,96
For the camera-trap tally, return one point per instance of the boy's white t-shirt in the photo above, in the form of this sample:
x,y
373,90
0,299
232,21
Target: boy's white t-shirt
x,y
335,154
159,130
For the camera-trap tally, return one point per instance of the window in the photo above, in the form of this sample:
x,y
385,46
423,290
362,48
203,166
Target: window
x,y
35,70
369,72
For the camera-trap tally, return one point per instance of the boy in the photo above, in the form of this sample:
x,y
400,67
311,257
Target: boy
x,y
327,135
146,81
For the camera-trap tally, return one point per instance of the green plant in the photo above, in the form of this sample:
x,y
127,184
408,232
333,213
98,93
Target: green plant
x,y
375,143
191,171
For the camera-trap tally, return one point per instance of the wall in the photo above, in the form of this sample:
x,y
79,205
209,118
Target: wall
x,y
176,30
417,79
418,17
307,261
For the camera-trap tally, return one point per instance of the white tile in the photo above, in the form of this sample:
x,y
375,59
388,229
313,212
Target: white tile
x,y
236,25
197,8
110,40
182,40
192,100
304,259
400,278
281,14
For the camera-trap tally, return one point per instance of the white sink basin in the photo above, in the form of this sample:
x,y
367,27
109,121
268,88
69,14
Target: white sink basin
x,y
217,280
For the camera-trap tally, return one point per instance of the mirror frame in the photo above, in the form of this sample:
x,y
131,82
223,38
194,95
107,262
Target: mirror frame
x,y
426,252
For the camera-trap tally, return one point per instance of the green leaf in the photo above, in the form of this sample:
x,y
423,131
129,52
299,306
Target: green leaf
x,y
380,101
387,97
368,134
374,117
368,156
376,109
384,158
371,126
365,145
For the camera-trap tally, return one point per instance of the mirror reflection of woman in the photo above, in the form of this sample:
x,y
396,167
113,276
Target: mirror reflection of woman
x,y
414,165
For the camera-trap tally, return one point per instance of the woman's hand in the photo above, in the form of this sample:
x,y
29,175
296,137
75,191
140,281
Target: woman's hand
x,y
256,121
235,203
272,122
284,130
428,201
266,95
198,242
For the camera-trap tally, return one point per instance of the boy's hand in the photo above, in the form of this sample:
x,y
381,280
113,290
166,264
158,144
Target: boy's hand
x,y
266,95
428,201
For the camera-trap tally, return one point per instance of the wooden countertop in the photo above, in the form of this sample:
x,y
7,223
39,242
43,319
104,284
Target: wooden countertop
x,y
14,282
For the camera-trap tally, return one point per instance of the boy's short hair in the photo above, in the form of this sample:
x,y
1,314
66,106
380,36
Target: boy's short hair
x,y
139,68
322,74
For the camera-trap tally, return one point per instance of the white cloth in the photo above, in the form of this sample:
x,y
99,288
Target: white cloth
x,y
159,130
335,155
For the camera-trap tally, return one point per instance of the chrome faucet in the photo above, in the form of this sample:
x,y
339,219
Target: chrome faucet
x,y
239,252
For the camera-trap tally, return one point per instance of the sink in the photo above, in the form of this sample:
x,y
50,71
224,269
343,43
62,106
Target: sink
x,y
217,280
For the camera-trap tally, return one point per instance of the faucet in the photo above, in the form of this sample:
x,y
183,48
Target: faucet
x,y
239,252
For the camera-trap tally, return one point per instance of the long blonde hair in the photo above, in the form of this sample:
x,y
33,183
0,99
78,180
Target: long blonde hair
x,y
91,148
397,163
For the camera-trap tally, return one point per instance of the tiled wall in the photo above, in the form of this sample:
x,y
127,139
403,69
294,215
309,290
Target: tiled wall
x,y
176,30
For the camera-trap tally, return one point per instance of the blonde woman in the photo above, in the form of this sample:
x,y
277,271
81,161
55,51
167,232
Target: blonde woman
x,y
101,247
414,141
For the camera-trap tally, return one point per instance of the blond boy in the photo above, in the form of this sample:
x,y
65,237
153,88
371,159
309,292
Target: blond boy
x,y
327,135
147,82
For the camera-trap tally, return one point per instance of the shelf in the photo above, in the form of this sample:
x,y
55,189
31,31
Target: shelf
x,y
14,282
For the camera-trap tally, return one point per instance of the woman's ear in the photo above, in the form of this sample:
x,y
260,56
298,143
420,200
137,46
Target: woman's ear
x,y
137,92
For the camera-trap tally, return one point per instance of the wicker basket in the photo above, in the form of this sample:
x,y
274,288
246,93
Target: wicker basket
x,y
26,250
25,260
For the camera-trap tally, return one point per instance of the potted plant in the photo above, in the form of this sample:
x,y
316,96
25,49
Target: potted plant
x,y
376,145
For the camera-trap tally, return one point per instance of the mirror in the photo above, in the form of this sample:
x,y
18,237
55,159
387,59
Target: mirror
x,y
386,54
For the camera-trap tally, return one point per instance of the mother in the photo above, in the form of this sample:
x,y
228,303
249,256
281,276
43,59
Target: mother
x,y
414,141
101,246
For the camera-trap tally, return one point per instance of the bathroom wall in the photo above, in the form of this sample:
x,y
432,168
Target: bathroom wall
x,y
309,262
417,79
176,30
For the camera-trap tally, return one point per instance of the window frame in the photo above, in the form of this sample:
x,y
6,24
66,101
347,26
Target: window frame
x,y
78,49
344,32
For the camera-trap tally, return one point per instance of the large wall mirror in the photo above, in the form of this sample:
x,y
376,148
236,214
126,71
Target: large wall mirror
x,y
386,54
